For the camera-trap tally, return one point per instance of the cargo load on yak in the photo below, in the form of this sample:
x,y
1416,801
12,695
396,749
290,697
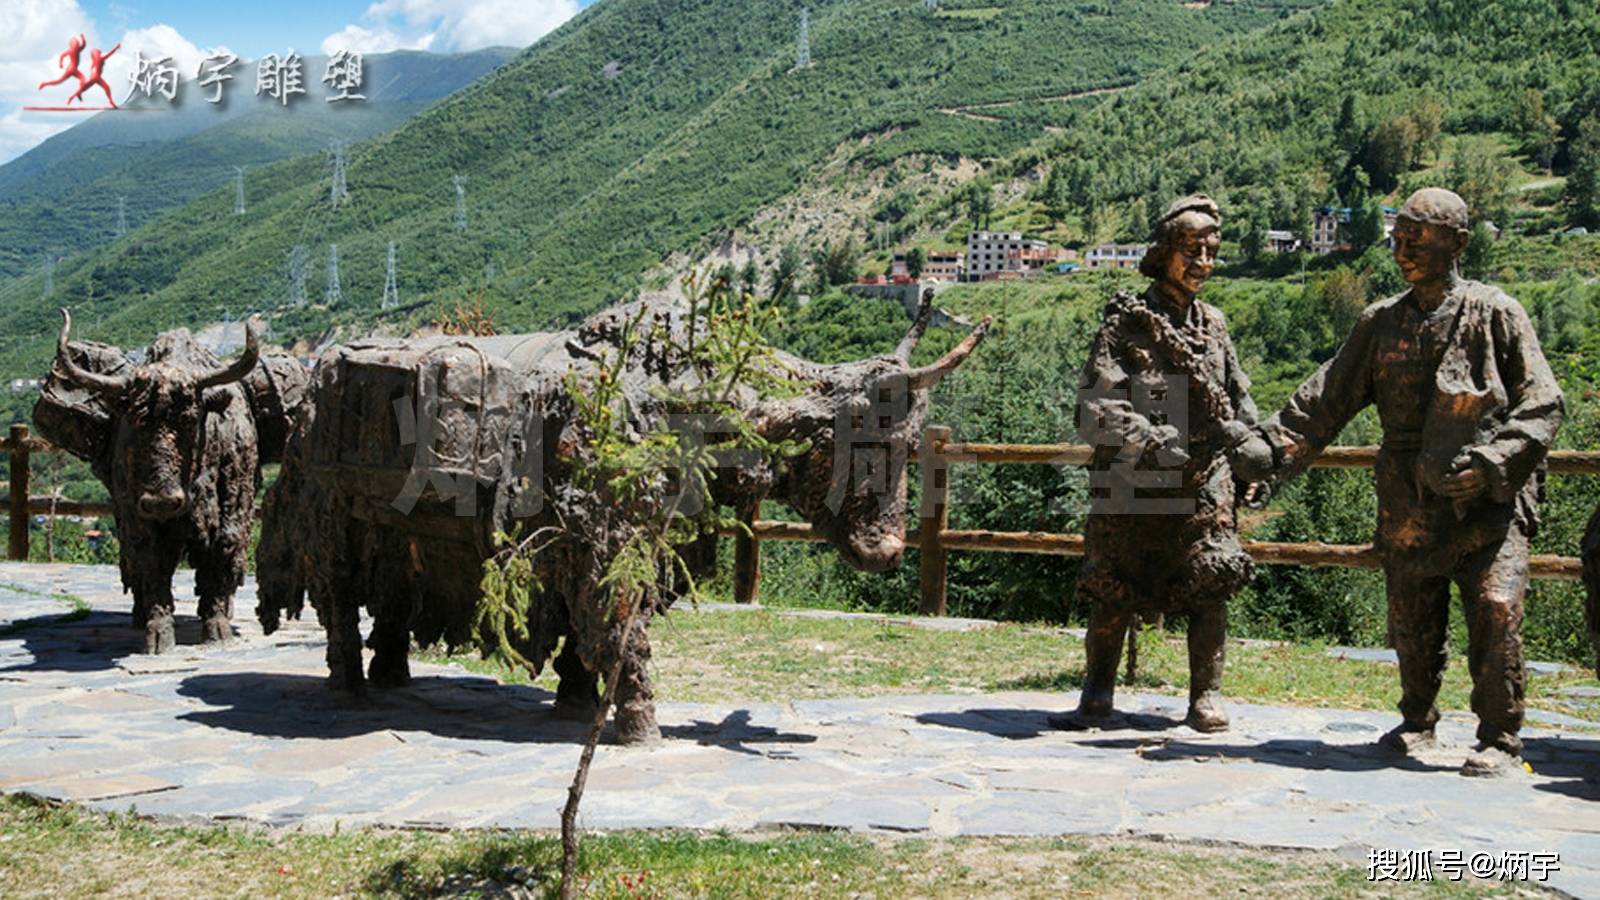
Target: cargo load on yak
x,y
411,455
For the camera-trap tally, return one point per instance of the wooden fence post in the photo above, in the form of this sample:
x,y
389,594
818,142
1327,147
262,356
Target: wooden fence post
x,y
18,549
935,516
747,560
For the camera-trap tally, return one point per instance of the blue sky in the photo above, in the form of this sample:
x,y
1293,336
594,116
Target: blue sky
x,y
37,30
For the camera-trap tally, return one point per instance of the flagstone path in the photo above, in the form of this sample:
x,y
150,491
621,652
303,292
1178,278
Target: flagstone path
x,y
248,731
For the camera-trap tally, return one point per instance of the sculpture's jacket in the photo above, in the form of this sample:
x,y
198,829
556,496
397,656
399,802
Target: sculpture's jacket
x,y
1466,379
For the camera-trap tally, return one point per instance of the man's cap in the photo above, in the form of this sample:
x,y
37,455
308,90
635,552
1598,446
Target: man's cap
x,y
1192,203
1436,206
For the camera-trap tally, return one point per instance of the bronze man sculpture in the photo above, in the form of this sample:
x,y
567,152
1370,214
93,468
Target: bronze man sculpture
x,y
1469,408
1161,399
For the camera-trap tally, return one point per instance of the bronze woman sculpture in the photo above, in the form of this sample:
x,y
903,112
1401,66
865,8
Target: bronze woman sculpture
x,y
1161,400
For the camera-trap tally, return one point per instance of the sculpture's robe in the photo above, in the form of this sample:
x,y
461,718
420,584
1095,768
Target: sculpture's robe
x,y
1162,532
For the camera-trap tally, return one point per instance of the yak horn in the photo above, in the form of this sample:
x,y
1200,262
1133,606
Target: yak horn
x,y
929,375
909,342
92,381
240,367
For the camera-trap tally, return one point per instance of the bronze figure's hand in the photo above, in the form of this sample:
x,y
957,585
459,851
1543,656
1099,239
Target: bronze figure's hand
x,y
1465,479
1249,454
1257,494
1169,446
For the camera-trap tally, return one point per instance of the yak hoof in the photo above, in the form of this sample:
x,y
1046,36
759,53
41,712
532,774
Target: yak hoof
x,y
1407,741
1095,703
637,728
340,679
217,631
160,634
386,674
1489,761
1206,714
575,710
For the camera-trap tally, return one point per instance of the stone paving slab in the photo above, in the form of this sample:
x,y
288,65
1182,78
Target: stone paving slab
x,y
249,731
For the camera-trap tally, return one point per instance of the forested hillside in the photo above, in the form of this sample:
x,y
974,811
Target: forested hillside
x,y
61,197
1354,104
639,129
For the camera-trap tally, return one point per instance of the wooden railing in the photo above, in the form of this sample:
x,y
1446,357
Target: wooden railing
x,y
22,445
935,539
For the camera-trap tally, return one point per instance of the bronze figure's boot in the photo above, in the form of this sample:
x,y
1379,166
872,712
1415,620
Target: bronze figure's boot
x,y
1208,629
1103,649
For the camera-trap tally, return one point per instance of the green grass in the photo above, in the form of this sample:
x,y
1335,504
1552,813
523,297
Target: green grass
x,y
764,655
78,609
53,851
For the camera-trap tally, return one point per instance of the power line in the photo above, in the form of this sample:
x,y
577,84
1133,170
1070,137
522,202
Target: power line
x,y
391,291
332,297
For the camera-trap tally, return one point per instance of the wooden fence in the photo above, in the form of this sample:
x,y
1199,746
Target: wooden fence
x,y
934,538
22,446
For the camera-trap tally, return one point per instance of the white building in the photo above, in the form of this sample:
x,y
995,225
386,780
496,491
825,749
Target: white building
x,y
1114,256
943,265
994,251
1325,224
1279,241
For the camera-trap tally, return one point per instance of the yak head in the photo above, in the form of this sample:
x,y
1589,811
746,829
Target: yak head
x,y
862,421
160,407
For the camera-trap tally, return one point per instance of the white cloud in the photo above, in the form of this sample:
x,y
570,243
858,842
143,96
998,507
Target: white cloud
x,y
451,25
21,131
36,32
381,39
153,43
38,29
514,23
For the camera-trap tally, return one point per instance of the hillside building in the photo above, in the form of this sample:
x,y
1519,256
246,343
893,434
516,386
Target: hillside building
x,y
944,265
1278,241
937,265
1325,224
1114,256
1031,261
991,251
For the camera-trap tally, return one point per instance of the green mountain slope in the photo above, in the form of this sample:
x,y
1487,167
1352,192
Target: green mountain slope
x,y
639,129
1354,102
61,196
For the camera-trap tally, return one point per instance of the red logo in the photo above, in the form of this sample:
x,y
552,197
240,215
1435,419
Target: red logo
x,y
67,62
